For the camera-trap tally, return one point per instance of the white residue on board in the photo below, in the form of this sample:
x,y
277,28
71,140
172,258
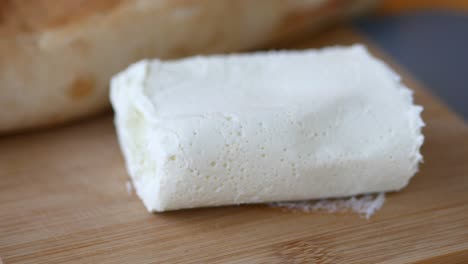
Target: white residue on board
x,y
365,205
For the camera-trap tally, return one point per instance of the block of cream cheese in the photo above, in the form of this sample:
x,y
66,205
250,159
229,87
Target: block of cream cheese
x,y
262,127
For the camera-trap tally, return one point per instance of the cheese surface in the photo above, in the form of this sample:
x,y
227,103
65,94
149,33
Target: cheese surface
x,y
263,127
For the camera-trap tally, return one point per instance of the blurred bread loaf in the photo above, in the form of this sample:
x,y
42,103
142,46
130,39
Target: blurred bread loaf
x,y
57,56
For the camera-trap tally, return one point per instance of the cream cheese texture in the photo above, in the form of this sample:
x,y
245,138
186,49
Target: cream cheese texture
x,y
263,127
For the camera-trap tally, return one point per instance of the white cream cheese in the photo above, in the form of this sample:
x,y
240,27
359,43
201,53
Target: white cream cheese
x,y
263,127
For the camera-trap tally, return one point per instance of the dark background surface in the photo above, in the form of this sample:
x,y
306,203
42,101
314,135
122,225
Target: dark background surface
x,y
431,44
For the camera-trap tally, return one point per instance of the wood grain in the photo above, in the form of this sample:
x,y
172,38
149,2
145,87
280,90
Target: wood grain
x,y
63,200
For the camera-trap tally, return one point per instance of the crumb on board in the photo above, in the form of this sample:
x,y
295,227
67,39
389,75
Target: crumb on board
x,y
129,187
364,205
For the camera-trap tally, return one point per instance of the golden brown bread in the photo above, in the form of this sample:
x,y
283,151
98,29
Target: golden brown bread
x,y
56,56
36,15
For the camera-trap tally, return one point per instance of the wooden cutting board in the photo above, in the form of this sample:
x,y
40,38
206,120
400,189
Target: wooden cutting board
x,y
63,199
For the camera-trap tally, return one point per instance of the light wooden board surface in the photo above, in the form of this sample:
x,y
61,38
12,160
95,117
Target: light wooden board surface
x,y
63,200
